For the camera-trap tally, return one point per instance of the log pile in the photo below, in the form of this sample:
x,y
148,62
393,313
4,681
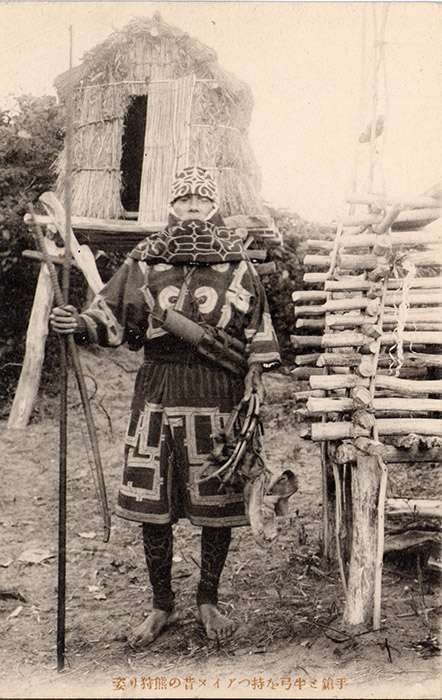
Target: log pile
x,y
372,359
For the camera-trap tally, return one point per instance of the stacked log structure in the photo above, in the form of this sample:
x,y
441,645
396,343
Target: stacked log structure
x,y
373,363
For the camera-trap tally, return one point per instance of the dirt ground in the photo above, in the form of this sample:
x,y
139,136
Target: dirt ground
x,y
288,606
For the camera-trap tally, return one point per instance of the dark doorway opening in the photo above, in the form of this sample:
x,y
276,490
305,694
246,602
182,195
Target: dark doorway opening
x,y
133,152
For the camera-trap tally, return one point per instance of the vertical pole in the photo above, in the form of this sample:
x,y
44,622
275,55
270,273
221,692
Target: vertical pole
x,y
329,485
362,81
361,573
61,589
327,517
374,103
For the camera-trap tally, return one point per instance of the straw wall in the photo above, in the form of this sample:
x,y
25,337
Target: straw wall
x,y
166,144
219,141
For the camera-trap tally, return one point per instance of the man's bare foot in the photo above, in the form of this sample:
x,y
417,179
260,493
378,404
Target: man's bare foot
x,y
217,626
151,628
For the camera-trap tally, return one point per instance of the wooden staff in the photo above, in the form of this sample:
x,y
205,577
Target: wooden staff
x,y
68,345
64,298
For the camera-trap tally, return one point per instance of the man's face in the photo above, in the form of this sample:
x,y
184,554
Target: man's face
x,y
192,206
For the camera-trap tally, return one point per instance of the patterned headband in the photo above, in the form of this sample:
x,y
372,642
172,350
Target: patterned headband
x,y
194,180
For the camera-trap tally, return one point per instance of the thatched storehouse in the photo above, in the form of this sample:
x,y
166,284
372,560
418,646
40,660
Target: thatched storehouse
x,y
148,101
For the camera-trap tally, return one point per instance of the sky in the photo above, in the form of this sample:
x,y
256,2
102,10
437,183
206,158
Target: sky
x,y
303,62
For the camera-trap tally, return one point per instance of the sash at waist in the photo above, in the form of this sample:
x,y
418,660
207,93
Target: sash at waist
x,y
169,350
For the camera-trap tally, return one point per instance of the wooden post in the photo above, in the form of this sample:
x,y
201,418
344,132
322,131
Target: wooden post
x,y
328,506
361,576
36,335
29,381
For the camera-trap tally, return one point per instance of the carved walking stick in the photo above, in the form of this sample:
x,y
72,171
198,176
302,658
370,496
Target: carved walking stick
x,y
67,345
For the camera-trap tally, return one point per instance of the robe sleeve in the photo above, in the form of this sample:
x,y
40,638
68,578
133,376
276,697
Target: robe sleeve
x,y
262,343
119,312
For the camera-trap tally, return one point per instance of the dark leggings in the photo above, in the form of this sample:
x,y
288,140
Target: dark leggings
x,y
158,549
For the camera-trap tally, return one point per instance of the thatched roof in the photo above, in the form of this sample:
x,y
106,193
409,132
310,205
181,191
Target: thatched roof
x,y
109,61
197,113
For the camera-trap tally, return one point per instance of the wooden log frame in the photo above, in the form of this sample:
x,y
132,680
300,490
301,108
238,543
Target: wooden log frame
x,y
392,299
362,284
404,387
425,508
375,477
416,319
346,452
331,486
413,539
367,491
426,322
305,372
401,372
390,215
409,325
398,239
422,325
353,359
319,406
417,217
353,339
395,371
361,576
303,395
309,359
315,277
326,279
308,295
313,323
428,359
369,262
368,485
385,426
328,505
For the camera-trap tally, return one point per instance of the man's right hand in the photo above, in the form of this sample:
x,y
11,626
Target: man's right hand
x,y
64,319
